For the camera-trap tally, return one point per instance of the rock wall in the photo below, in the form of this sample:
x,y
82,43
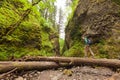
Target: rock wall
x,y
99,19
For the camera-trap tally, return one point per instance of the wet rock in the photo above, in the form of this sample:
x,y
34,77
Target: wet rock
x,y
114,77
67,72
98,20
19,78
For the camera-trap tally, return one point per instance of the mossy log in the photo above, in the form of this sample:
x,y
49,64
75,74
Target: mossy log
x,y
79,61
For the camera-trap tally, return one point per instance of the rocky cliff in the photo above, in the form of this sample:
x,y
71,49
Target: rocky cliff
x,y
99,19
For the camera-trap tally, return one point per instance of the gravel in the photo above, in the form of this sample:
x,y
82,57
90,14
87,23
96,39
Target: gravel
x,y
74,73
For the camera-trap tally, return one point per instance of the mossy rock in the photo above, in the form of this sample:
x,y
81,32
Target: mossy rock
x,y
67,72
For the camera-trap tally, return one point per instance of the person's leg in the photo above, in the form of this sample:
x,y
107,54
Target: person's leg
x,y
91,51
86,51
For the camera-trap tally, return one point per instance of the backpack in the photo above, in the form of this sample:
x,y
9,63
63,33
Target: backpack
x,y
89,41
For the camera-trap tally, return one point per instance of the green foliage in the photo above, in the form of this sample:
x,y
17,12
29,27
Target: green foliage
x,y
103,52
61,41
76,50
75,33
47,27
107,49
31,36
73,8
8,51
46,44
3,53
74,4
47,4
117,1
7,16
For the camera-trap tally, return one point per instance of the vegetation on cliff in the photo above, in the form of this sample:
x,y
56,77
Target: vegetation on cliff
x,y
25,28
99,19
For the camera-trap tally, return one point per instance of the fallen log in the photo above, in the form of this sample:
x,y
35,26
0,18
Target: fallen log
x,y
40,63
79,61
8,66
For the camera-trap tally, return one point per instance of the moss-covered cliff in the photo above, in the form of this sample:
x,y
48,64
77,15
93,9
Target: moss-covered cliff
x,y
99,19
25,31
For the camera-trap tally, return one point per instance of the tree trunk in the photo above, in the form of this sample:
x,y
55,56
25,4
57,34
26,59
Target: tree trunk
x,y
79,61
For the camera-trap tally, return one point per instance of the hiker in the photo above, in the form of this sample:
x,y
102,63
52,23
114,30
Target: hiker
x,y
87,48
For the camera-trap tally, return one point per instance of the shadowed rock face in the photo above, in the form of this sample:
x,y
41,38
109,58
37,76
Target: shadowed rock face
x,y
97,18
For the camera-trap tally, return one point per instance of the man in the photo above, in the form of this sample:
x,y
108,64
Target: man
x,y
87,48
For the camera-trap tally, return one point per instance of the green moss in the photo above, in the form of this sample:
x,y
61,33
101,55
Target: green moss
x,y
103,52
7,52
107,49
67,72
75,51
3,56
116,1
61,41
73,7
47,47
29,36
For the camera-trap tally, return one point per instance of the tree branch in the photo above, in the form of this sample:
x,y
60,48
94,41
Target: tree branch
x,y
33,4
4,74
